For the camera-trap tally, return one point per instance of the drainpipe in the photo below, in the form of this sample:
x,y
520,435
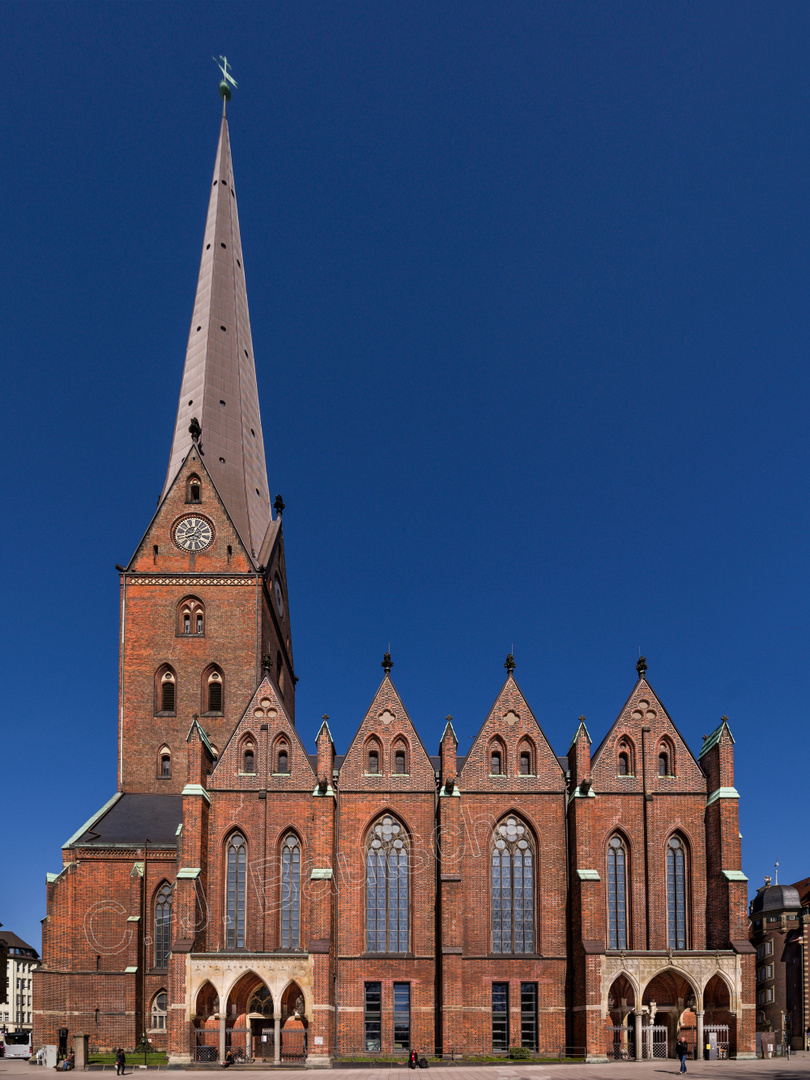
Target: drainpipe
x,y
336,909
645,730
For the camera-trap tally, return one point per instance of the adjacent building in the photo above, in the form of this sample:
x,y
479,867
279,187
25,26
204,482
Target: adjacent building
x,y
244,890
21,962
780,933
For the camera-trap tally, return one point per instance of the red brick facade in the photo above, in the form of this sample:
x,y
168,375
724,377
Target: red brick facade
x,y
324,905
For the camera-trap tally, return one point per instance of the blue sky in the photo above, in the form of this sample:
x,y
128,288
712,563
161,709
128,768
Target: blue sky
x,y
528,288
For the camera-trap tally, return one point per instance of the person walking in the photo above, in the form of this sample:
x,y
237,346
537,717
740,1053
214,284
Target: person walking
x,y
681,1050
120,1062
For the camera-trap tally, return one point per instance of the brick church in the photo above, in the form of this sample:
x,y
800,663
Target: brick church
x,y
244,891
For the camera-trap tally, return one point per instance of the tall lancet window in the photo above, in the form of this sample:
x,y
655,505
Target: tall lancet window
x,y
617,893
163,925
512,888
235,892
290,892
676,893
387,888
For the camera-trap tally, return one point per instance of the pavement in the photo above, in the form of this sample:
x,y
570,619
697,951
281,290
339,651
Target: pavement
x,y
797,1068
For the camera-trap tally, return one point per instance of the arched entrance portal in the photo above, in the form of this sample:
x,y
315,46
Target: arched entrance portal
x,y
249,995
260,1019
294,1024
206,1025
669,1001
719,1022
621,1033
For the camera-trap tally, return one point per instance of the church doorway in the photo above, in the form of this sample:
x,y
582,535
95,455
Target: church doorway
x,y
668,1000
294,1025
206,1025
718,1019
262,1028
621,1032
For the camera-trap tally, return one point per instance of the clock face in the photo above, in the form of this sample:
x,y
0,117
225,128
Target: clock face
x,y
279,596
193,533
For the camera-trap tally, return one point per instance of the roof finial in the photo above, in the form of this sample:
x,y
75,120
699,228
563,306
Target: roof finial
x,y
227,79
776,872
387,663
641,666
194,429
278,505
510,663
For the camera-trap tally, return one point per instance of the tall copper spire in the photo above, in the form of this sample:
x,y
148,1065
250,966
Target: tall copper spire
x,y
219,379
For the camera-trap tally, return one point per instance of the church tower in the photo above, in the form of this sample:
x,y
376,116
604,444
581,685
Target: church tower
x,y
204,612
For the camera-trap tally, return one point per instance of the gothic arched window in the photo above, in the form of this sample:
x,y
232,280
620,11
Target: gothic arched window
x,y
512,888
164,762
282,757
235,890
193,489
290,892
191,617
400,758
387,887
626,759
373,757
213,690
666,758
249,758
525,759
617,893
676,893
166,690
163,925
497,759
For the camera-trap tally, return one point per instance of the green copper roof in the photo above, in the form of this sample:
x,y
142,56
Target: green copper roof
x,y
581,727
714,738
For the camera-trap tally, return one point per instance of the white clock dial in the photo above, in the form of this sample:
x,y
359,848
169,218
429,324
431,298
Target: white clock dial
x,y
279,596
193,533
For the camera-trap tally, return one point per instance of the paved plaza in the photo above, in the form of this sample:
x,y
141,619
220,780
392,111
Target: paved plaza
x,y
775,1069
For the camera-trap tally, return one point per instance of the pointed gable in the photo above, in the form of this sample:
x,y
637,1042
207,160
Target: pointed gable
x,y
266,731
225,550
643,731
385,728
511,728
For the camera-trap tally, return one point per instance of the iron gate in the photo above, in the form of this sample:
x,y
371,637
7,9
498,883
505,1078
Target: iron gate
x,y
293,1045
721,1030
205,1045
654,1041
622,1045
264,1043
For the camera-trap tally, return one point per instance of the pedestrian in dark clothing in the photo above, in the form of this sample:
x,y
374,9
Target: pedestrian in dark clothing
x,y
681,1049
120,1062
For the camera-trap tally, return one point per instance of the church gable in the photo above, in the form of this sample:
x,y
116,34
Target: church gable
x,y
386,751
191,530
264,753
511,744
644,743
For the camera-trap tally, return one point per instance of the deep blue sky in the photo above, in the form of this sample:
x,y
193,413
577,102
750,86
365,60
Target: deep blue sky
x,y
529,293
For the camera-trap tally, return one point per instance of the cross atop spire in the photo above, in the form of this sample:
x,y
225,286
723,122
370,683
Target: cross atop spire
x,y
219,378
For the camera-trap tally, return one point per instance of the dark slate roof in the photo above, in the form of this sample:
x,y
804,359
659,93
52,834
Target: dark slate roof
x,y
775,898
133,819
14,942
